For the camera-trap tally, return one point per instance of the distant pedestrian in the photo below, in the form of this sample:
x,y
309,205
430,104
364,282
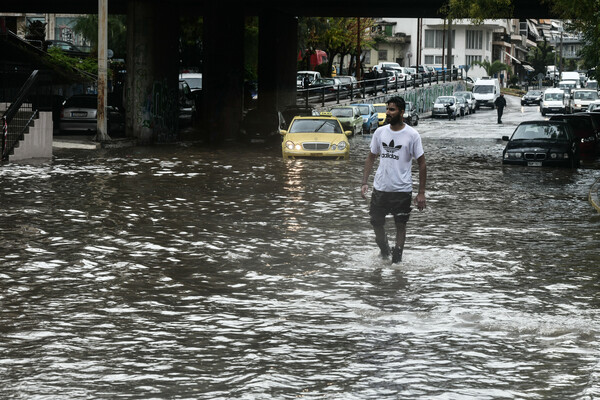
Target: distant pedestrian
x,y
500,103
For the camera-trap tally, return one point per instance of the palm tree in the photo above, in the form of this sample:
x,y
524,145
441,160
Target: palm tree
x,y
493,68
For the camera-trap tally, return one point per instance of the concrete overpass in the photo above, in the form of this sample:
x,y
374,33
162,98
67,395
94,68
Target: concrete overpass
x,y
152,56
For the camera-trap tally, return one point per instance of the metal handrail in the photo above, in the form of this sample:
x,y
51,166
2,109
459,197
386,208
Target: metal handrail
x,y
14,132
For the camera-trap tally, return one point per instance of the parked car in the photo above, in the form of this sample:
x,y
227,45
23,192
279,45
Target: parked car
x,y
370,117
380,109
317,137
349,117
260,126
542,144
348,82
582,98
311,75
330,85
532,97
469,98
79,114
462,104
441,105
586,129
67,47
193,79
187,105
411,115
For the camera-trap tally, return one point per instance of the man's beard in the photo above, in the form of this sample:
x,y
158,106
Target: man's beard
x,y
395,120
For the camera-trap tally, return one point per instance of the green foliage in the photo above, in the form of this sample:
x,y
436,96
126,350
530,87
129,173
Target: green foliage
x,y
87,26
582,17
89,64
493,68
478,10
540,57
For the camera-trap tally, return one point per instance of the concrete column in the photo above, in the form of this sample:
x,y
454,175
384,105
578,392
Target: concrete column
x,y
277,60
152,93
223,72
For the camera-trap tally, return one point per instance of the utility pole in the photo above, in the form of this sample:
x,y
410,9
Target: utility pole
x,y
101,125
358,50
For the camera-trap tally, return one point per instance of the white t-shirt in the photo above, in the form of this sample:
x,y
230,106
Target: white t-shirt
x,y
396,150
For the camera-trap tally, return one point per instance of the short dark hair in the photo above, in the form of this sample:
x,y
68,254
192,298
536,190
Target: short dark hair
x,y
398,101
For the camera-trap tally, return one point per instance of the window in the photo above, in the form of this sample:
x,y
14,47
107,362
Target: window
x,y
382,55
429,60
470,59
474,40
434,38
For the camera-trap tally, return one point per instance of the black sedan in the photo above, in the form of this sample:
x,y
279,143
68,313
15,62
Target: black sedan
x,y
542,144
532,97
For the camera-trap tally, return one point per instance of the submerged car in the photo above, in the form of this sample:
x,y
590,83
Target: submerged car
x,y
349,117
441,106
469,98
369,115
532,97
315,137
542,144
585,128
380,109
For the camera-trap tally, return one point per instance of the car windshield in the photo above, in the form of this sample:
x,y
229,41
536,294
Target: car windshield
x,y
554,96
533,93
363,109
541,131
381,109
592,85
194,83
315,125
444,100
82,102
341,112
483,89
567,85
586,95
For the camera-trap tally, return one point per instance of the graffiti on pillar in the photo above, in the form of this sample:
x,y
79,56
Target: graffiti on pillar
x,y
159,112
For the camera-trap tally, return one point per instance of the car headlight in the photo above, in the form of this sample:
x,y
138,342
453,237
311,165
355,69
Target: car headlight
x,y
333,147
341,145
588,139
559,156
290,145
514,155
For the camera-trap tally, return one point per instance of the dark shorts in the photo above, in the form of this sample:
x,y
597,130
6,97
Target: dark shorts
x,y
384,203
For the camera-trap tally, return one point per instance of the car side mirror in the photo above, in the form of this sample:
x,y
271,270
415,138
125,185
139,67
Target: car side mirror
x,y
282,132
348,133
505,138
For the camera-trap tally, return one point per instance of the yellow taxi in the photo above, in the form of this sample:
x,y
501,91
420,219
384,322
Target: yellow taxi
x,y
318,137
380,109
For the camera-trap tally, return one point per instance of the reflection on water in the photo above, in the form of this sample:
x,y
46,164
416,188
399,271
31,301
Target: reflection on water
x,y
181,272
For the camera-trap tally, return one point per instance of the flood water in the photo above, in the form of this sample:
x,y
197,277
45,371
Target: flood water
x,y
179,272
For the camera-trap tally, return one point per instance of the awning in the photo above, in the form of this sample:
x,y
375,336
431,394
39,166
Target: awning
x,y
528,68
518,62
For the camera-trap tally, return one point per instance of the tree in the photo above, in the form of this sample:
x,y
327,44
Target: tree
x,y
541,56
492,68
582,17
87,26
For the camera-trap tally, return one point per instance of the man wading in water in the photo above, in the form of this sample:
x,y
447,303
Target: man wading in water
x,y
396,145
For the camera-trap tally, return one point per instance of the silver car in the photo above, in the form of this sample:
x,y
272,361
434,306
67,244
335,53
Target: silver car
x,y
79,114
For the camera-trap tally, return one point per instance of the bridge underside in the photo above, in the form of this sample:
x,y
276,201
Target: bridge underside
x,y
152,60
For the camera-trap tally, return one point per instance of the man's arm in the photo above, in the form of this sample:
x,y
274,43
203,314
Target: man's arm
x,y
420,199
367,171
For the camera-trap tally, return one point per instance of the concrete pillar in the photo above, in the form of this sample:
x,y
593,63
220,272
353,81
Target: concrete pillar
x,y
277,60
152,93
223,72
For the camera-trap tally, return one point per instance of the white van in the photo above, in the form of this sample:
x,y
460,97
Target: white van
x,y
486,91
553,102
571,76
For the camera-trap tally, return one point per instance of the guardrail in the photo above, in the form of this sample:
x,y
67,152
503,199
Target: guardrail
x,y
362,89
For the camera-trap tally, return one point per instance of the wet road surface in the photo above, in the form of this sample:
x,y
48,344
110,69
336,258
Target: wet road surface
x,y
186,273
